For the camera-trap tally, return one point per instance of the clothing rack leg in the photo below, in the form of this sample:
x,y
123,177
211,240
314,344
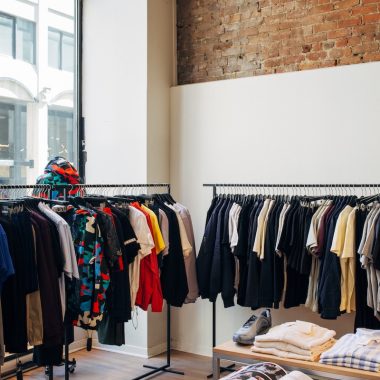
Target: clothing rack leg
x,y
67,374
51,372
229,368
19,373
166,367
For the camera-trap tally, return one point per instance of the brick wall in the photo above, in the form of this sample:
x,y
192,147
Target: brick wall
x,y
221,39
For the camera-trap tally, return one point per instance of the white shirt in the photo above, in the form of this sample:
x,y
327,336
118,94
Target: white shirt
x,y
145,239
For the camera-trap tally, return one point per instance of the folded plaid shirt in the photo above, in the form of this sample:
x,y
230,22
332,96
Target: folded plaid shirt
x,y
360,351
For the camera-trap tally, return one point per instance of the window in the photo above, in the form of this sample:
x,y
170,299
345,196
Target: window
x,y
38,105
60,134
61,50
17,38
12,143
25,40
6,35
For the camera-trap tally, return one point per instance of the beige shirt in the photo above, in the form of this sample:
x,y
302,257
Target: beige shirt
x,y
260,224
264,230
190,260
186,246
337,247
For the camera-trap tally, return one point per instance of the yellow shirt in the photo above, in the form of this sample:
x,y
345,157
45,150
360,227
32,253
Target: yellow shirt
x,y
348,261
157,235
346,258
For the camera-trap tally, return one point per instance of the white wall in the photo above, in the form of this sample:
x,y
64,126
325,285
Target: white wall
x,y
115,104
319,126
115,90
127,59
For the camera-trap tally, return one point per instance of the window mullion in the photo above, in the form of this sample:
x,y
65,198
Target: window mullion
x,y
13,37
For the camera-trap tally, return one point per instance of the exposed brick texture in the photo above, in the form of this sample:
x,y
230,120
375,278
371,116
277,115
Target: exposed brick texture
x,y
221,39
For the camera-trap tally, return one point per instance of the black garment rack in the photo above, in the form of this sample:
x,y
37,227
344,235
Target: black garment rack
x,y
260,186
154,369
20,367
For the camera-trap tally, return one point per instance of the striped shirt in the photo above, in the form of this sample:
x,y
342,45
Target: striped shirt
x,y
360,351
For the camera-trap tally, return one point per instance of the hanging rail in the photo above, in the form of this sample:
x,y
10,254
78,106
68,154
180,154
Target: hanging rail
x,y
295,185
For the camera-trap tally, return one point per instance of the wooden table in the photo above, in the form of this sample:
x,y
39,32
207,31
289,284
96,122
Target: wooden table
x,y
242,354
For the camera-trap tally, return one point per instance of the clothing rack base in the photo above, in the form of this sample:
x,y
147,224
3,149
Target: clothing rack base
x,y
166,367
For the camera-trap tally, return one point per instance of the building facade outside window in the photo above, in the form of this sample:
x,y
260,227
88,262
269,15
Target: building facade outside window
x,y
17,37
37,82
61,50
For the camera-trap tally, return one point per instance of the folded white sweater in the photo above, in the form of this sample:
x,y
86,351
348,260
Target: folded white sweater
x,y
301,334
284,349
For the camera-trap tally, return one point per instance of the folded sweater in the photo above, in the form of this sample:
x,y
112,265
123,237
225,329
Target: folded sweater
x,y
304,335
312,354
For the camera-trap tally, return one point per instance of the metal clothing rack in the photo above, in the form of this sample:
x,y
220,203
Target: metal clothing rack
x,y
261,186
49,372
154,369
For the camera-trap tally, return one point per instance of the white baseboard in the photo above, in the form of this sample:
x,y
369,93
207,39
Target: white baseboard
x,y
198,350
78,345
127,349
156,350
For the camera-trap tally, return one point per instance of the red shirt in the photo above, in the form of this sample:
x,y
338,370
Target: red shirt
x,y
149,292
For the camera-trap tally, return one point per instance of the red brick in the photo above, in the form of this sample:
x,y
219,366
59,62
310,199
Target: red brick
x,y
370,57
315,56
375,17
273,62
354,41
308,65
322,9
293,59
341,42
328,63
336,53
350,60
324,27
337,15
316,38
370,8
349,22
346,4
338,33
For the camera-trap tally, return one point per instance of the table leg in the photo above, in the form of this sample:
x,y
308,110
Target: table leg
x,y
215,367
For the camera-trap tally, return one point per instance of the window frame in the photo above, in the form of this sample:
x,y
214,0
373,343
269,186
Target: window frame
x,y
14,36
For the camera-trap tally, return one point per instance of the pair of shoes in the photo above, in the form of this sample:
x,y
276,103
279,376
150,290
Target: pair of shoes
x,y
254,326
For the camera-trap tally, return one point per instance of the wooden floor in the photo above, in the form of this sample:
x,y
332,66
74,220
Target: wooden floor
x,y
103,365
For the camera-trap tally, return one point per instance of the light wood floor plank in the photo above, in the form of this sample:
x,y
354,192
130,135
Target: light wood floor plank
x,y
103,365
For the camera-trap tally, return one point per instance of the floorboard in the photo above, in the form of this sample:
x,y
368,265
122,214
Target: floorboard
x,y
103,365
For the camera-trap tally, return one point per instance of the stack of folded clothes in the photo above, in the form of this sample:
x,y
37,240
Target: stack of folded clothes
x,y
295,340
360,351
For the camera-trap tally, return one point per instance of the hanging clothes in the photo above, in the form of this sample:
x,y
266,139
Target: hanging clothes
x,y
321,252
89,262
